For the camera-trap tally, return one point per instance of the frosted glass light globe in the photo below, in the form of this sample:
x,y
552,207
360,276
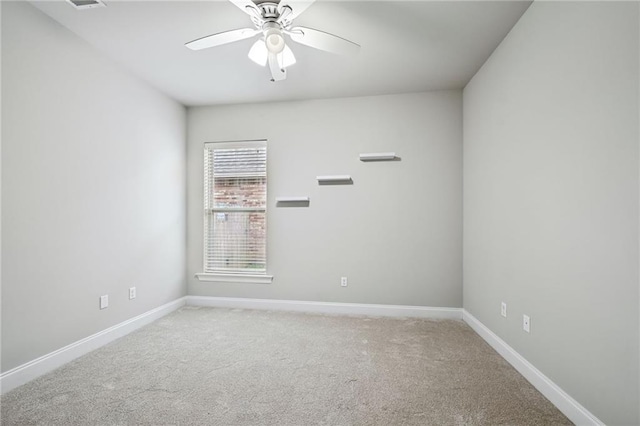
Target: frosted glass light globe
x,y
274,41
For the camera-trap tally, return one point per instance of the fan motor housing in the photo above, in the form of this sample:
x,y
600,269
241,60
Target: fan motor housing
x,y
269,10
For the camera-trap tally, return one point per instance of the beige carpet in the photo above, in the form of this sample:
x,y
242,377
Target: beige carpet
x,y
202,366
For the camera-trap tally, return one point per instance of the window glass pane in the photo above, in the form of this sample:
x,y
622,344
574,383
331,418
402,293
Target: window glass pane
x,y
237,242
240,192
240,162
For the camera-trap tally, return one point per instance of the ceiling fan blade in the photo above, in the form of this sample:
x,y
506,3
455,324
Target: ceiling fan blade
x,y
248,7
323,41
221,38
296,6
277,73
259,53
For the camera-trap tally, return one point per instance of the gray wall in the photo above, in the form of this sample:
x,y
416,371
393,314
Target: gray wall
x,y
93,189
395,233
551,198
0,195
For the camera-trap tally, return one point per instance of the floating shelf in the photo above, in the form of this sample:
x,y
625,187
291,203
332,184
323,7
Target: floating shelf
x,y
334,179
292,199
378,156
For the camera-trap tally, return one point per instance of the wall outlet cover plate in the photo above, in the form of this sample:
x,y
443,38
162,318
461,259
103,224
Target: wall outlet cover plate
x,y
526,323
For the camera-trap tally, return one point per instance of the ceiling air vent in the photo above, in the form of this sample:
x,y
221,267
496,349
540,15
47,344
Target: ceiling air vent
x,y
86,4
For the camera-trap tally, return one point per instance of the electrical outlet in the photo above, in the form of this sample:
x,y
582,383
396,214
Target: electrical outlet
x,y
104,301
132,293
343,281
503,309
526,323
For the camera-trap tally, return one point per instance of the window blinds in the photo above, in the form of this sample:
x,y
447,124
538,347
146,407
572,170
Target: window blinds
x,y
235,202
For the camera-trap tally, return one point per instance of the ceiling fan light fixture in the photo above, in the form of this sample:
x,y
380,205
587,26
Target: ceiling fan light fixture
x,y
286,58
259,53
274,40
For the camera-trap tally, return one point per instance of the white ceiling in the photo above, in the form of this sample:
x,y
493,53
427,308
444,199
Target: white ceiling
x,y
407,46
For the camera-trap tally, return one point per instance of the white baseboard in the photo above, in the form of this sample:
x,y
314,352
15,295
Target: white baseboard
x,y
567,405
327,307
46,363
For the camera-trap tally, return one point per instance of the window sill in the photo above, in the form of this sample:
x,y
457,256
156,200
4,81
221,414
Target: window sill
x,y
236,278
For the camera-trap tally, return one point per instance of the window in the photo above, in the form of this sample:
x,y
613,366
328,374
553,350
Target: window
x,y
235,208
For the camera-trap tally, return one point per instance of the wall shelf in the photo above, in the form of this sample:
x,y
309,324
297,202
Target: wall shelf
x,y
334,180
379,156
292,199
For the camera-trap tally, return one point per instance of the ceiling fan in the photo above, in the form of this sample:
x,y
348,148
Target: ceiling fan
x,y
273,19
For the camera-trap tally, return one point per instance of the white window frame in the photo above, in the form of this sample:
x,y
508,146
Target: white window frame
x,y
261,277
